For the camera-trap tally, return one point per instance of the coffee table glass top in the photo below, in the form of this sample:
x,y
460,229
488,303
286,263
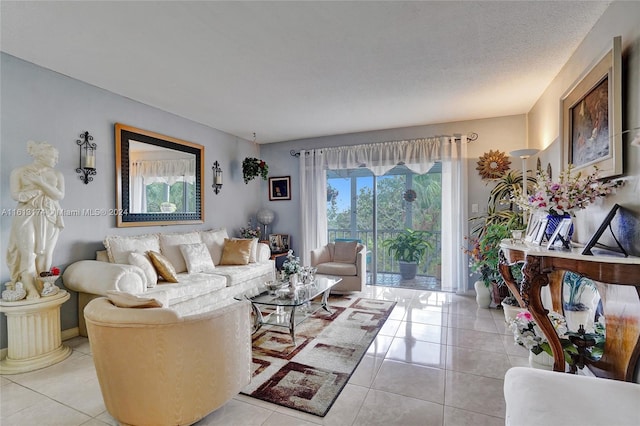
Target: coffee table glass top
x,y
283,297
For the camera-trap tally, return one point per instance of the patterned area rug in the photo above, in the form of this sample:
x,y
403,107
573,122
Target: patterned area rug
x,y
310,376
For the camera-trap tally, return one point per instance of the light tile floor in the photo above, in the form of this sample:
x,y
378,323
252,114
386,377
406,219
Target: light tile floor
x,y
439,360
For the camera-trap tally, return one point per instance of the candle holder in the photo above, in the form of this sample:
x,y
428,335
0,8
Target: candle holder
x,y
87,166
217,177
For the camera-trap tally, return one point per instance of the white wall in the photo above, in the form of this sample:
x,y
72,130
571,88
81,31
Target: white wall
x,y
42,105
620,19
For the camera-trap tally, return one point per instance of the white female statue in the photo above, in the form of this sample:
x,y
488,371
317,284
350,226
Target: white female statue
x,y
37,221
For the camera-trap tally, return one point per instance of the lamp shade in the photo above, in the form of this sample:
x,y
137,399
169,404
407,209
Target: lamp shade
x,y
524,153
265,216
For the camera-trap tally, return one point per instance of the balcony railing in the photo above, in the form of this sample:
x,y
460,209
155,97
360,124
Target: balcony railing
x,y
428,266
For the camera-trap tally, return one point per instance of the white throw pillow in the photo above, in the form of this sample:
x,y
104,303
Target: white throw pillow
x,y
214,240
143,262
128,300
197,258
170,247
118,247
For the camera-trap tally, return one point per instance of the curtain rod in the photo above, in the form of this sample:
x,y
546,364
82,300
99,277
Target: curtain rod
x,y
470,137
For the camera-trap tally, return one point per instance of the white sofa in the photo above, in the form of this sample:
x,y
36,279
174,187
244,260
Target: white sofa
x,y
538,397
194,293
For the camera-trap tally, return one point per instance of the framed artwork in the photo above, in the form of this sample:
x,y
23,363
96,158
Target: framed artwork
x,y
592,117
606,223
279,243
279,188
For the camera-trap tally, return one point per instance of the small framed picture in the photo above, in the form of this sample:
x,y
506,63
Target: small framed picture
x,y
279,243
560,237
536,227
279,188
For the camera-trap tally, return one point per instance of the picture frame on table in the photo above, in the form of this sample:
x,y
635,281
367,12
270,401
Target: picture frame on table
x,y
278,243
560,237
536,227
592,118
280,188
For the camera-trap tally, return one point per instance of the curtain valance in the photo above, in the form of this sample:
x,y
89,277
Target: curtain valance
x,y
167,171
416,154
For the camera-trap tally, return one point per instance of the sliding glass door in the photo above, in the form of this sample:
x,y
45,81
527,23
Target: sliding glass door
x,y
371,208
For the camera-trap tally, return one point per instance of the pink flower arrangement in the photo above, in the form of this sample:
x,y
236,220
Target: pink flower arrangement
x,y
527,333
569,194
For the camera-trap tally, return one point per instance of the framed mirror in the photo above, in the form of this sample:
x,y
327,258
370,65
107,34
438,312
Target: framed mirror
x,y
158,179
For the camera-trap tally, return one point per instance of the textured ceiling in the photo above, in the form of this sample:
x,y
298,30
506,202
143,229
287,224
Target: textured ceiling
x,y
290,70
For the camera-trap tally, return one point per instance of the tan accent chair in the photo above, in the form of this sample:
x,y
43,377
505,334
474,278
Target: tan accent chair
x,y
158,368
353,274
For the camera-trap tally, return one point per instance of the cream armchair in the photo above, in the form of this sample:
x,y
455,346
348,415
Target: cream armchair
x,y
347,260
158,368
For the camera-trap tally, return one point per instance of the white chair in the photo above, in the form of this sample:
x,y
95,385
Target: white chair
x,y
539,397
344,259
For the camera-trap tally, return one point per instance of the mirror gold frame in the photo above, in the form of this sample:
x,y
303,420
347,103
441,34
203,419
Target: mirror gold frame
x,y
124,135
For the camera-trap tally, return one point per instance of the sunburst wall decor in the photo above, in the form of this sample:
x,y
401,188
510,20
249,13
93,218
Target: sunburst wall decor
x,y
493,164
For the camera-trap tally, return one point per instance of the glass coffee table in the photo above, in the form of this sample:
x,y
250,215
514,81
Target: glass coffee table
x,y
291,308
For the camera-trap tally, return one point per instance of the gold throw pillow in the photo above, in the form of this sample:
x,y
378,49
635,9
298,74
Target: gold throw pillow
x,y
236,252
163,266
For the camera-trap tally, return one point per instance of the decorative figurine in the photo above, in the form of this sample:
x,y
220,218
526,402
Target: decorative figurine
x,y
37,221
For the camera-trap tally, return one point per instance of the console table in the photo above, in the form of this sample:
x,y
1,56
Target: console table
x,y
617,280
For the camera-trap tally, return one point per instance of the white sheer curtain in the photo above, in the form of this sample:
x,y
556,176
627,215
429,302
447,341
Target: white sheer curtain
x,y
313,201
454,216
418,155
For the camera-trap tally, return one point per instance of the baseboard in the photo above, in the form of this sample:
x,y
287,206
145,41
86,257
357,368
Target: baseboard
x,y
3,353
70,333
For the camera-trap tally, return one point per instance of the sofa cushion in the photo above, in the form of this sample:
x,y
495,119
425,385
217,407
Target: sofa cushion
x,y
163,266
345,251
337,268
118,247
214,241
170,247
143,262
197,258
189,286
236,252
127,300
236,274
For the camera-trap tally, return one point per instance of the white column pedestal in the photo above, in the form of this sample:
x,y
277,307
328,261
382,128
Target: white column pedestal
x,y
33,332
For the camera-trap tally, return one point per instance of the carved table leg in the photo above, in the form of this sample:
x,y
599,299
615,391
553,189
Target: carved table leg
x,y
507,276
533,281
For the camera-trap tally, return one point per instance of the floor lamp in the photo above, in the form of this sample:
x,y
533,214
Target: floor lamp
x,y
524,154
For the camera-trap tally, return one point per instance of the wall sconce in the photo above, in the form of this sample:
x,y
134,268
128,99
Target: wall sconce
x,y
87,167
217,177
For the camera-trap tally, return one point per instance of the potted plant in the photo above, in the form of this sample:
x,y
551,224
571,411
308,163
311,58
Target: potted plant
x,y
484,258
254,167
408,248
501,218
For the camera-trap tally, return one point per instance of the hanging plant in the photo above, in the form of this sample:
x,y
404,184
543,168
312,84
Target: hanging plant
x,y
253,167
